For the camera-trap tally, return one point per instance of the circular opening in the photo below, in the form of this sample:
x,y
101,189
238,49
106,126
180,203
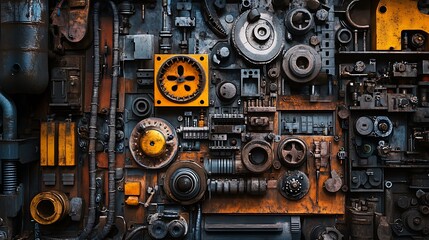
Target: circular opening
x,y
262,31
246,3
176,229
158,58
16,68
202,101
45,209
302,62
383,9
344,36
301,20
141,106
159,101
202,58
152,143
258,156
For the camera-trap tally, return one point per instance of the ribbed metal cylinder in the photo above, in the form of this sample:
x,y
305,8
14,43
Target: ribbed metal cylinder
x,y
10,177
220,166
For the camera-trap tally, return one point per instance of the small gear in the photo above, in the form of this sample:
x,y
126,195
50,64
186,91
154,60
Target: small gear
x,y
181,79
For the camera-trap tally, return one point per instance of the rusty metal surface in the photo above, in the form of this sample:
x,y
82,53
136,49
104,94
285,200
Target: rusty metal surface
x,y
71,19
24,59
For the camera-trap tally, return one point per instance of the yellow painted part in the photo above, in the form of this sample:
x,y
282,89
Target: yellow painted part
x,y
399,15
66,143
47,144
132,201
201,101
132,188
153,143
49,207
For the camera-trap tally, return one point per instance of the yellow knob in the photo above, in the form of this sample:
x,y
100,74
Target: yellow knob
x,y
153,143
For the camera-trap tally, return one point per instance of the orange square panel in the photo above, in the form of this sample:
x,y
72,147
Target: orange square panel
x,y
181,80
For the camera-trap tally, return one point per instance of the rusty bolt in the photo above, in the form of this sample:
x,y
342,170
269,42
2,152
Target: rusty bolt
x,y
314,40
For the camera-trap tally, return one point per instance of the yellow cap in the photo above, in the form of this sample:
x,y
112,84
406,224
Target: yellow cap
x,y
153,143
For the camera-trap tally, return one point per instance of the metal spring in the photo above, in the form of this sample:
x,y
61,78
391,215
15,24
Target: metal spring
x,y
10,177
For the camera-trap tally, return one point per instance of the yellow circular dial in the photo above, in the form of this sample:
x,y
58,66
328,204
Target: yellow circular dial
x,y
153,143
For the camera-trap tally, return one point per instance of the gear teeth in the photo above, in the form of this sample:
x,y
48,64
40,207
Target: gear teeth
x,y
212,20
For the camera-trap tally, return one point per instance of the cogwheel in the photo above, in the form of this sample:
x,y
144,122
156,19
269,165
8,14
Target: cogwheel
x,y
181,79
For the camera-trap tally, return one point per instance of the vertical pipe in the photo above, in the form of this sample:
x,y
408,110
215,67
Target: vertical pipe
x,y
10,173
9,118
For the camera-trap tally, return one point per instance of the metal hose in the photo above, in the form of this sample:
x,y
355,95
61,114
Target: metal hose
x,y
93,127
111,214
198,224
134,232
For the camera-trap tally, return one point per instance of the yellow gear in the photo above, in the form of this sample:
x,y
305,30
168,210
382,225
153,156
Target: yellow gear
x,y
153,143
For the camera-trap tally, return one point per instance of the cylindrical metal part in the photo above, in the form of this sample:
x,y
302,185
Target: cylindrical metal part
x,y
220,166
158,229
24,46
49,207
10,177
362,225
177,228
238,186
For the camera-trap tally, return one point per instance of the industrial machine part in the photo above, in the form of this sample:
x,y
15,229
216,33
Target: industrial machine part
x,y
299,21
301,63
292,152
378,126
258,36
24,60
257,156
387,12
185,182
181,80
167,224
49,207
154,143
178,119
294,185
253,186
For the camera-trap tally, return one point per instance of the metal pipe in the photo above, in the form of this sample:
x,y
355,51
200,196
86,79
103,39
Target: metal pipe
x,y
111,214
93,127
9,118
10,172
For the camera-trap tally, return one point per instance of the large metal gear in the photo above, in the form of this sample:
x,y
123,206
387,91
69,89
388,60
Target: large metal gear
x,y
181,80
257,36
153,143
